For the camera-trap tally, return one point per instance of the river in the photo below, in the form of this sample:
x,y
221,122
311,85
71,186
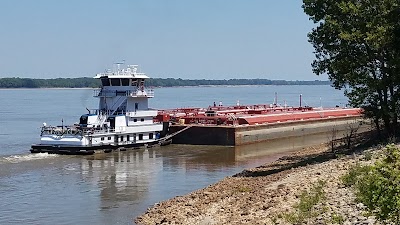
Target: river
x,y
114,188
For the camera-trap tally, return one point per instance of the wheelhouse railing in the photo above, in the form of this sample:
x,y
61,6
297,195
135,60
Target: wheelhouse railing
x,y
74,130
130,93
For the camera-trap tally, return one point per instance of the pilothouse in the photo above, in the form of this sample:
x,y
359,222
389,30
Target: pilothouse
x,y
123,118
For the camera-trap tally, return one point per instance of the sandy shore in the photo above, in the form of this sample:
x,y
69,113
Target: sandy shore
x,y
263,194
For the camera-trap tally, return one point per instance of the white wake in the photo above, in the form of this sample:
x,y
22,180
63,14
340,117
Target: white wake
x,y
30,157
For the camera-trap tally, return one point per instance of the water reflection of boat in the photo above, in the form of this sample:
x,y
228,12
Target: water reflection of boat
x,y
123,118
121,176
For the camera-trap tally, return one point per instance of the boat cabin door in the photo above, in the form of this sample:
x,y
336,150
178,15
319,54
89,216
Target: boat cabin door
x,y
112,122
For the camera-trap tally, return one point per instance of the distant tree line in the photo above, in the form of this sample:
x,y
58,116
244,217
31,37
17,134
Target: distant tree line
x,y
86,82
170,82
17,82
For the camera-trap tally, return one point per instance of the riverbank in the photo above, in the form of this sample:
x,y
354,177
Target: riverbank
x,y
264,195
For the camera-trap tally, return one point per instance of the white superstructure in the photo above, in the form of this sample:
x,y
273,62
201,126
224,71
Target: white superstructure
x,y
122,119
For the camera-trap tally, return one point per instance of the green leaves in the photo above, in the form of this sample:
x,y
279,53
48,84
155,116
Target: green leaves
x,y
357,44
305,209
378,186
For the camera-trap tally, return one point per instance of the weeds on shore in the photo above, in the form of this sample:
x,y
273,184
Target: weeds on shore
x,y
354,174
305,209
378,186
337,218
242,189
368,156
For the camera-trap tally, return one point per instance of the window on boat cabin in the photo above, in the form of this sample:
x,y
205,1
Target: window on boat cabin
x,y
150,135
105,81
135,120
142,119
109,138
127,138
136,106
125,81
83,119
122,138
141,84
102,138
140,136
115,82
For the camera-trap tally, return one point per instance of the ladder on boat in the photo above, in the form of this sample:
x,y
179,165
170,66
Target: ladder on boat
x,y
101,119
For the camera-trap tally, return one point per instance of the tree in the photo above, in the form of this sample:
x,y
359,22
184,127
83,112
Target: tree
x,y
357,43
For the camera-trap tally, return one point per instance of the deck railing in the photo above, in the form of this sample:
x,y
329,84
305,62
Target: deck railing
x,y
130,93
72,130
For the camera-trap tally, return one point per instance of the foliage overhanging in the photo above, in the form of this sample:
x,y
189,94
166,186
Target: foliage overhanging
x,y
357,43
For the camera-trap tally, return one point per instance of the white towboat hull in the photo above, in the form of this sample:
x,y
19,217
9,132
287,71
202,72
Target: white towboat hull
x,y
122,120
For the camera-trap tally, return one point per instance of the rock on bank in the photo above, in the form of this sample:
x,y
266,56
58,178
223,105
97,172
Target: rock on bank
x,y
260,195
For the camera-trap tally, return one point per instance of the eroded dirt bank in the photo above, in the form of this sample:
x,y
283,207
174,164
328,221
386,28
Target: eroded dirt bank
x,y
263,194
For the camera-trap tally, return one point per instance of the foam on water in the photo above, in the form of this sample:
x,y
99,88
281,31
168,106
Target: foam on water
x,y
30,157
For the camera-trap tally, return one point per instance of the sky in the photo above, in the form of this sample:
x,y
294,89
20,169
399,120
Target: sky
x,y
208,39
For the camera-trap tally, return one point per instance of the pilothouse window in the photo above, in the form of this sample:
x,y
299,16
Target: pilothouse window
x,y
105,81
115,82
125,82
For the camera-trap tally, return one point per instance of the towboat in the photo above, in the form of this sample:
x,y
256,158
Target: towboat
x,y
122,120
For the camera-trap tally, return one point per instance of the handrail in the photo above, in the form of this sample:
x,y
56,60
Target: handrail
x,y
131,93
117,102
112,113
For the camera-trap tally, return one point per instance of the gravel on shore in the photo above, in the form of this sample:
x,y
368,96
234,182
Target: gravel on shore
x,y
262,195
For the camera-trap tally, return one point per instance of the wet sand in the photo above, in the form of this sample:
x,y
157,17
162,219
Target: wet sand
x,y
261,195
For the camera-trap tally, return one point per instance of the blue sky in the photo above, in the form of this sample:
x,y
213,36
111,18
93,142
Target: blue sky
x,y
208,39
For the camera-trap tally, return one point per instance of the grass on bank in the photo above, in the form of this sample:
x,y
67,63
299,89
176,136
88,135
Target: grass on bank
x,y
305,209
377,186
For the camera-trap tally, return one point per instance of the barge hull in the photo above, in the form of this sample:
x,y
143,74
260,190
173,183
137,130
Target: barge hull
x,y
242,135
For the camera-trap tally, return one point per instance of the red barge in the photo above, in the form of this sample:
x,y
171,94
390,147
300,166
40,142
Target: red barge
x,y
246,124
